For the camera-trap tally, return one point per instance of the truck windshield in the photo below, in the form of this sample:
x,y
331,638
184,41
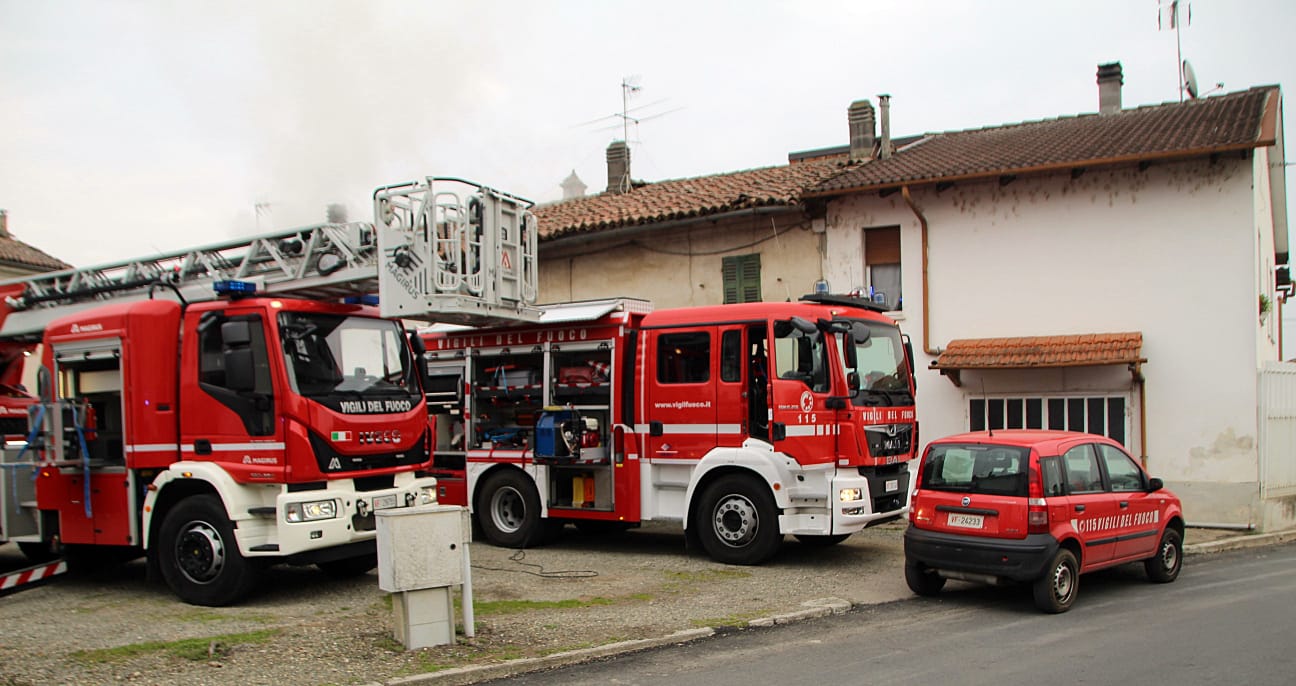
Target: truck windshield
x,y
328,354
881,365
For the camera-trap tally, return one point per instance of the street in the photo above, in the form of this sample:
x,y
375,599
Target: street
x,y
1228,619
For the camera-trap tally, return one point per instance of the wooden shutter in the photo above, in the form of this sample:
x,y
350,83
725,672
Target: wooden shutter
x,y
741,276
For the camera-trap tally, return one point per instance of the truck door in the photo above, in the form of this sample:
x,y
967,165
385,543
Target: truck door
x,y
801,423
681,403
733,396
227,396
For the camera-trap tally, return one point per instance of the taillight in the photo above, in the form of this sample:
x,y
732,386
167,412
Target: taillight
x,y
1036,507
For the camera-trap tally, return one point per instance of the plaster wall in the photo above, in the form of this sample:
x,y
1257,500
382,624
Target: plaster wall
x,y
682,267
1170,251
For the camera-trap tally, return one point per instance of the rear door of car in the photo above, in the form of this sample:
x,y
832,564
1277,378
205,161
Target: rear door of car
x,y
1093,510
975,490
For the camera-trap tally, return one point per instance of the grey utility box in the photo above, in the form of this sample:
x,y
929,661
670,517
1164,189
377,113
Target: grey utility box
x,y
420,558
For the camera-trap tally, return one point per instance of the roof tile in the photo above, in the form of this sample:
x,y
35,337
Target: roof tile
x,y
1077,350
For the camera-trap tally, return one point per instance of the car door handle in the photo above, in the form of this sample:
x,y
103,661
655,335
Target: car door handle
x,y
1079,508
1124,504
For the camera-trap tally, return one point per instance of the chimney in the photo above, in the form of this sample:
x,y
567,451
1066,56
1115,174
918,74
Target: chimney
x,y
1109,88
336,213
884,104
860,117
4,224
618,163
573,187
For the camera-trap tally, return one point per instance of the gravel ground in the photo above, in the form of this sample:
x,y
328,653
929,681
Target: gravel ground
x,y
304,628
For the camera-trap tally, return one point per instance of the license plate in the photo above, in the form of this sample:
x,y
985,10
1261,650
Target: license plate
x,y
892,485
384,502
966,521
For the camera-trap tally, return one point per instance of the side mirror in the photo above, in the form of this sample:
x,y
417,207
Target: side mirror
x,y
853,381
1155,484
860,332
44,388
240,372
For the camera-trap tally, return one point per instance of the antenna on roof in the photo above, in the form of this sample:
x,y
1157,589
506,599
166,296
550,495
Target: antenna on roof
x,y
1168,17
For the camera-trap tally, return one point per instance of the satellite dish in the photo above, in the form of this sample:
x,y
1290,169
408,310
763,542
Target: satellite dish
x,y
1189,80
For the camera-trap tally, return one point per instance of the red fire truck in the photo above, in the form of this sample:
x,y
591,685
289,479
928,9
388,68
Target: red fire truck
x,y
223,408
742,422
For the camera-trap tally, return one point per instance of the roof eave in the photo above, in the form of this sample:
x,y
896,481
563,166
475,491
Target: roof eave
x,y
1053,167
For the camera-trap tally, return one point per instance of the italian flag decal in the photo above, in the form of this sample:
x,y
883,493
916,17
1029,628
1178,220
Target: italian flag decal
x,y
340,436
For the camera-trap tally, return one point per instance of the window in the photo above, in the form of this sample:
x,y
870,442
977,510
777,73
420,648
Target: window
x,y
1082,470
742,278
1121,470
882,266
684,357
987,469
731,356
1103,415
239,342
801,356
1054,481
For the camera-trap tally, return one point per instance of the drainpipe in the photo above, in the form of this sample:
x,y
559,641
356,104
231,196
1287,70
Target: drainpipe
x,y
926,299
1136,370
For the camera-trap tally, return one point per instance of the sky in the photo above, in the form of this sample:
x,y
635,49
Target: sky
x,y
130,128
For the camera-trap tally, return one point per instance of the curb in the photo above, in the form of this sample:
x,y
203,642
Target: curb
x,y
1240,542
475,673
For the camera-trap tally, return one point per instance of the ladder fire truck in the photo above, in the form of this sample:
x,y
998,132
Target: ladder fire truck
x,y
232,406
742,422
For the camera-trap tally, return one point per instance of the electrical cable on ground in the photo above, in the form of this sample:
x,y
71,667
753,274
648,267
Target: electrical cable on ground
x,y
539,570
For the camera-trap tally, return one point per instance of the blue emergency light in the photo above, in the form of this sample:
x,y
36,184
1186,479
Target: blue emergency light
x,y
235,288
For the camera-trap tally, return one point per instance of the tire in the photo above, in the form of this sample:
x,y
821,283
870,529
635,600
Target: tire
x,y
199,557
737,521
821,541
1163,567
348,568
1056,590
923,581
508,509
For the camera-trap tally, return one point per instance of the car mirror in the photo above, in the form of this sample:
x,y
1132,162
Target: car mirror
x,y
1155,484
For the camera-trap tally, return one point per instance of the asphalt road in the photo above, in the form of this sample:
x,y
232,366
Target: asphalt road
x,y
1229,618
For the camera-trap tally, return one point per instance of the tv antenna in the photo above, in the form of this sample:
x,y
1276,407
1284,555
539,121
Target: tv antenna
x,y
1168,16
629,89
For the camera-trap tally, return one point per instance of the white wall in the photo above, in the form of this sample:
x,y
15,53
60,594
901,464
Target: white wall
x,y
1170,251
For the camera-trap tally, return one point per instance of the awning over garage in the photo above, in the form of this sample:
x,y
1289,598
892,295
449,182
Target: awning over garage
x,y
1033,352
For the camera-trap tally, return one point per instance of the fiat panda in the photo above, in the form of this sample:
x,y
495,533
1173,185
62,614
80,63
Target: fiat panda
x,y
1035,506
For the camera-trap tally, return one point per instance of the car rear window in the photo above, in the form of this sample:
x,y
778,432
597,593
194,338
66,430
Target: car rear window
x,y
987,469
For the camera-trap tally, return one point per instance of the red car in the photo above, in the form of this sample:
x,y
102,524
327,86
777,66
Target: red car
x,y
1037,506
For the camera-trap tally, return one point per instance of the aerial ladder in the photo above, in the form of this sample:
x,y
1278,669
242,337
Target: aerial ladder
x,y
439,250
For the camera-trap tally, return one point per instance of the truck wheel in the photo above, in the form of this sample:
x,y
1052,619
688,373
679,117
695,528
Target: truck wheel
x,y
348,568
737,521
923,581
1056,590
1163,567
508,510
199,557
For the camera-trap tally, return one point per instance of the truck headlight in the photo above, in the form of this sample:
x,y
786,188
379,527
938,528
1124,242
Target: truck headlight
x,y
427,495
850,494
310,511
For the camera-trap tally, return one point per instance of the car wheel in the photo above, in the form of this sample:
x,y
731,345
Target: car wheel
x,y
921,580
737,521
1163,567
1056,590
199,557
508,510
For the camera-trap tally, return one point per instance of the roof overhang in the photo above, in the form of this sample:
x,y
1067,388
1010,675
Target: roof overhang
x,y
1041,352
